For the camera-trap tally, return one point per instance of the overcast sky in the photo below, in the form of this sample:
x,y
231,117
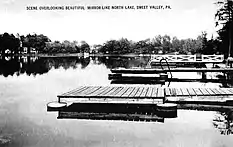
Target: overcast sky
x,y
185,19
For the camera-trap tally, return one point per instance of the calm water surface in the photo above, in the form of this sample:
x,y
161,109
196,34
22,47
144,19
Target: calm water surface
x,y
28,84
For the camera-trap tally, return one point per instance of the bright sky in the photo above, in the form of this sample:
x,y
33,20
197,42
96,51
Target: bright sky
x,y
185,19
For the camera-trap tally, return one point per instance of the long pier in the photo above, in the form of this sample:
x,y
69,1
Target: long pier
x,y
156,70
134,103
146,95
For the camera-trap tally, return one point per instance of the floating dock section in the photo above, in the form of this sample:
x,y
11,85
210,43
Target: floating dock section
x,y
137,103
157,70
149,95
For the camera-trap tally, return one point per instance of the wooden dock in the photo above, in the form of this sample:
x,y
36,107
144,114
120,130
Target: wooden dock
x,y
146,95
114,92
157,80
157,70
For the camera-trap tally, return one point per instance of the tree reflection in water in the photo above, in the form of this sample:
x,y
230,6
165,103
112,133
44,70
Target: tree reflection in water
x,y
9,66
223,121
32,65
124,62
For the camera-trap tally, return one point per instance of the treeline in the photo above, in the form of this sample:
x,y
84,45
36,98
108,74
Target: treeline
x,y
159,44
163,45
40,43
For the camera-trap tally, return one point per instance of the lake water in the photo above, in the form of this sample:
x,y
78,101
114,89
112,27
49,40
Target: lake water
x,y
28,84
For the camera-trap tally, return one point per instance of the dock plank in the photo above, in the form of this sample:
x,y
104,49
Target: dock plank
x,y
210,91
143,94
149,92
167,91
215,90
191,92
223,92
160,93
80,91
154,92
179,92
133,91
109,91
103,90
204,92
230,89
184,91
173,91
113,94
74,90
96,93
119,94
96,88
129,92
227,91
139,91
87,91
197,91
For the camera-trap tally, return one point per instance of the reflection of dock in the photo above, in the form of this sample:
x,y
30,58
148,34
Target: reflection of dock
x,y
109,116
148,95
113,111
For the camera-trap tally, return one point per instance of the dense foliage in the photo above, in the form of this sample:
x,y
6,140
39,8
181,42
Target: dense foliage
x,y
224,20
159,44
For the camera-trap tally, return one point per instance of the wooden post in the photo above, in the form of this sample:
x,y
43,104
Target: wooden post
x,y
224,75
203,74
229,50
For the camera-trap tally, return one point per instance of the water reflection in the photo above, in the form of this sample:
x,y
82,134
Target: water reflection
x,y
223,118
124,62
40,65
9,66
124,112
35,65
109,116
223,121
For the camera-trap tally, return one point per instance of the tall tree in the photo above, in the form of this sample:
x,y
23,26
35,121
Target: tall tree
x,y
35,41
224,17
10,42
85,48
